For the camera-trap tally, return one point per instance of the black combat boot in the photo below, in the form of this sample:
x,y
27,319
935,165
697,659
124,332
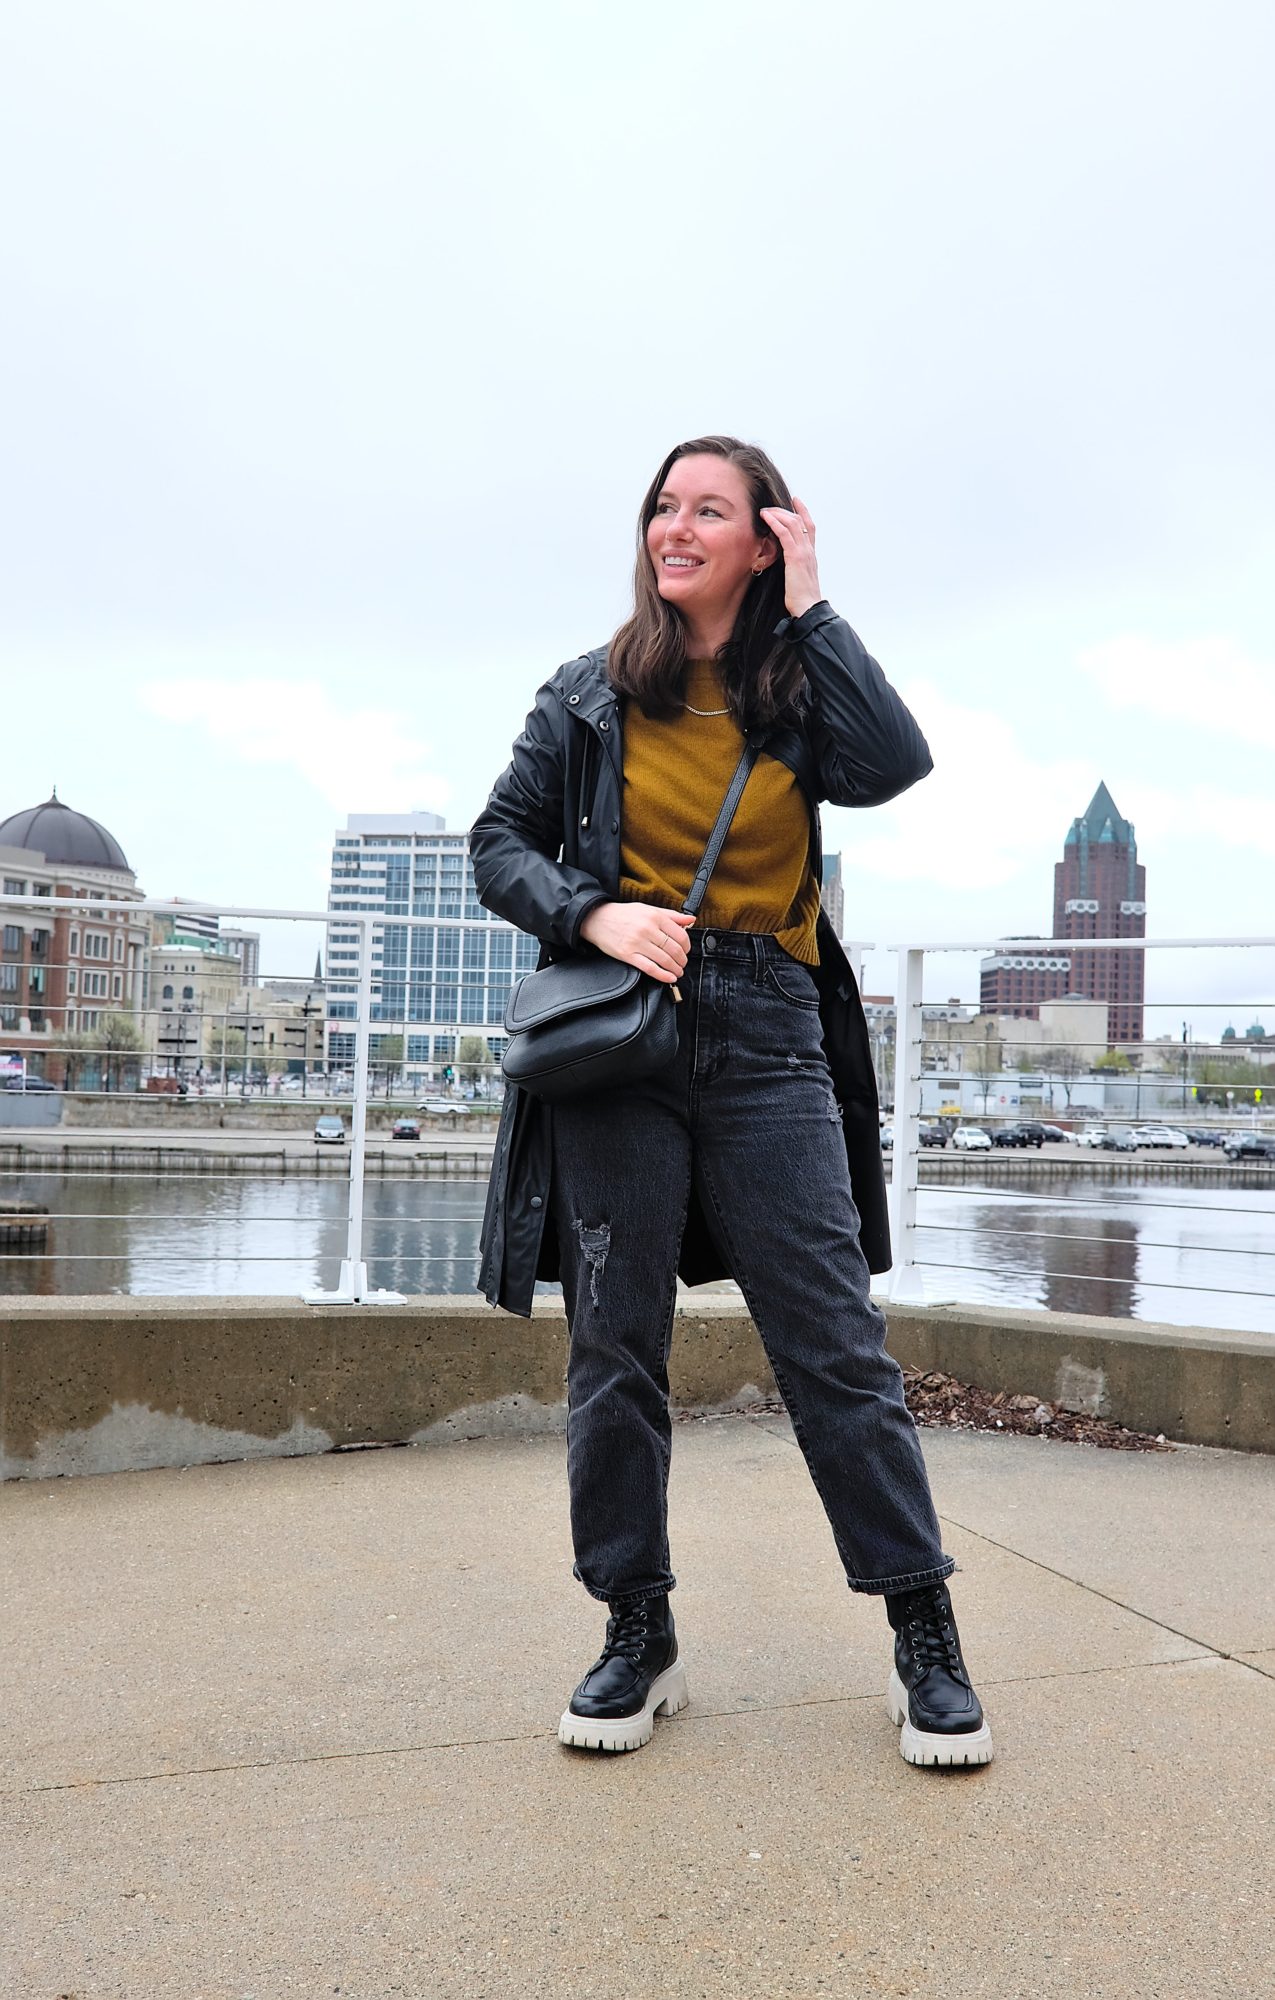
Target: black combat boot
x,y
637,1676
930,1692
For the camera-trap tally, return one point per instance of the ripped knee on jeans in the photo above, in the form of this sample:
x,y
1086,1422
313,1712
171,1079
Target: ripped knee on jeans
x,y
595,1245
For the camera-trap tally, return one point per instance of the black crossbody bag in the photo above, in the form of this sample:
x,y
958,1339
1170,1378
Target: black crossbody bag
x,y
591,1022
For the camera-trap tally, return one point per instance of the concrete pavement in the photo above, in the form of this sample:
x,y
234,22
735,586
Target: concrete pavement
x,y
287,1727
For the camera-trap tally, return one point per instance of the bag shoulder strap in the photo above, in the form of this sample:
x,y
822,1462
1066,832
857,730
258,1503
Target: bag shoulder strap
x,y
717,838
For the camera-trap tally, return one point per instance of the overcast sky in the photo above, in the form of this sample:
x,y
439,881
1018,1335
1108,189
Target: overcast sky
x,y
340,342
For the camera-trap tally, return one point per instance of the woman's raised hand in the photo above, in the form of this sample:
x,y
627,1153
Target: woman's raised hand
x,y
795,534
653,940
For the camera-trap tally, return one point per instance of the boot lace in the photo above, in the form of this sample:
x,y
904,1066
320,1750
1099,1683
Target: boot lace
x,y
932,1634
626,1635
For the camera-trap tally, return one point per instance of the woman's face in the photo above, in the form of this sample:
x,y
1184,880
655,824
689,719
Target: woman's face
x,y
701,540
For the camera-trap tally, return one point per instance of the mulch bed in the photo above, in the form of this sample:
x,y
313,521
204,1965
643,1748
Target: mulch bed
x,y
942,1402
936,1399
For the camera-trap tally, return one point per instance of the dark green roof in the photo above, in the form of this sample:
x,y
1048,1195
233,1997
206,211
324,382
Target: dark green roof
x,y
1102,822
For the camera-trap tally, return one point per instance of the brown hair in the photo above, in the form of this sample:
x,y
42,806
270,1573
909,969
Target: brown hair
x,y
762,676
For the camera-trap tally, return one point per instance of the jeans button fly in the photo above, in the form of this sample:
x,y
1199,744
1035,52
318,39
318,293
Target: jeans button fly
x,y
710,942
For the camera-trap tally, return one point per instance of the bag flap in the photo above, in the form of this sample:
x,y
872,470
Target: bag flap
x,y
564,988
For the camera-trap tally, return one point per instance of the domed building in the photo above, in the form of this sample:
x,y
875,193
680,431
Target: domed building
x,y
63,967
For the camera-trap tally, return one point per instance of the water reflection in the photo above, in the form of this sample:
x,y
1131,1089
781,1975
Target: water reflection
x,y
238,1234
1186,1254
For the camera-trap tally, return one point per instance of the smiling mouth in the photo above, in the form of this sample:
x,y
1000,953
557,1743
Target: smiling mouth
x,y
682,562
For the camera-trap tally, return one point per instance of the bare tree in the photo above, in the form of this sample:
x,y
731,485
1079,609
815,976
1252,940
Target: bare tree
x,y
118,1038
389,1059
1067,1064
984,1062
474,1058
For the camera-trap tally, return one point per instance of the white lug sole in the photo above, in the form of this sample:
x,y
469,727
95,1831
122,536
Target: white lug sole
x,y
921,1746
628,1732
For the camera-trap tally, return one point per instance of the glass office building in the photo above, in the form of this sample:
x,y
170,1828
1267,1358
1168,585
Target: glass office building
x,y
434,984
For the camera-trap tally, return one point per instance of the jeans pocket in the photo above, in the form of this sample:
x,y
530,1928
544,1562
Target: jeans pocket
x,y
794,983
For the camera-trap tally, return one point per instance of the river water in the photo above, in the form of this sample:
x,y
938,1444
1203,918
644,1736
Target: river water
x,y
1185,1254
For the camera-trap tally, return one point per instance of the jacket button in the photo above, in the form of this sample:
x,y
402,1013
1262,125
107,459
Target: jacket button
x,y
604,725
585,820
615,826
573,700
536,1201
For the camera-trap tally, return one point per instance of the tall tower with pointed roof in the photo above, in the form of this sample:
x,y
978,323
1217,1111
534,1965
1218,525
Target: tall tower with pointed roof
x,y
1100,890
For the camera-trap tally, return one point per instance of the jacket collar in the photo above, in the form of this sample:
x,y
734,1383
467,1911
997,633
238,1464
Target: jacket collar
x,y
586,691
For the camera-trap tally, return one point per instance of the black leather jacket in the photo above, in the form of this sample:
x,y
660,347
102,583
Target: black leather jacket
x,y
546,849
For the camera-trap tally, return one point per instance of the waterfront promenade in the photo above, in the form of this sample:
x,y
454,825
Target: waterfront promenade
x,y
287,1728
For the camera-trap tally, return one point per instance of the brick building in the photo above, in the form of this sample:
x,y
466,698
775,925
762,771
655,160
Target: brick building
x,y
1099,891
63,968
1017,983
833,892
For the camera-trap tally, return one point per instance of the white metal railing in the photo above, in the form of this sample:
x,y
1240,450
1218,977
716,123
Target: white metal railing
x,y
905,1284
910,1042
352,1287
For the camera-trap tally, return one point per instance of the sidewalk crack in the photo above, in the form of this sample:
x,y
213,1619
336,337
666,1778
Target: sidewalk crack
x,y
543,1736
1149,1617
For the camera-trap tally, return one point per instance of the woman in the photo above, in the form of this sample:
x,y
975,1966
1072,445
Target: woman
x,y
756,1150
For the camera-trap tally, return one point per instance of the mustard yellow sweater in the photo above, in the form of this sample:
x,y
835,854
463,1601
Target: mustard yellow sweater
x,y
675,778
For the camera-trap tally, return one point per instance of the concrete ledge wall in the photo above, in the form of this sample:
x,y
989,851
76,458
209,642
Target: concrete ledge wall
x,y
114,1384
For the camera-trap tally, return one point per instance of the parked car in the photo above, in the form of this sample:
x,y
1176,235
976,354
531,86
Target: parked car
x,y
1200,1137
28,1083
1055,1134
1091,1136
971,1139
1250,1146
933,1135
1118,1139
329,1131
443,1107
1027,1132
406,1128
887,1138
1159,1135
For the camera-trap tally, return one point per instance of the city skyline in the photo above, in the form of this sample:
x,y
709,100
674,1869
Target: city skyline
x,y
1241,1021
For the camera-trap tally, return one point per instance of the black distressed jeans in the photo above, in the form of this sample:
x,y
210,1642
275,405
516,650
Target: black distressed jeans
x,y
746,1113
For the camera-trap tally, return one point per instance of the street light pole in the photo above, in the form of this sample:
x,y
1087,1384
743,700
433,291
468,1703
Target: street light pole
x,y
306,1012
243,1074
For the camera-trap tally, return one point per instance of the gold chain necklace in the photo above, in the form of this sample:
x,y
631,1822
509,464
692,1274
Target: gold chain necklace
x,y
705,711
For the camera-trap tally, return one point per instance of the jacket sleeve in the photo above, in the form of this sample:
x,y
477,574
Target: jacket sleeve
x,y
866,742
515,843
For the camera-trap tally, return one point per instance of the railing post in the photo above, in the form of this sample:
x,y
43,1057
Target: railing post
x,y
854,949
352,1288
905,1284
354,1270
